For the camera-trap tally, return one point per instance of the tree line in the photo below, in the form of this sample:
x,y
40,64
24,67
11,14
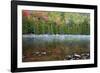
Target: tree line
x,y
41,22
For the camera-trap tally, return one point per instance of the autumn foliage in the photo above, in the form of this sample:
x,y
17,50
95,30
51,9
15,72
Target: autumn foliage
x,y
43,22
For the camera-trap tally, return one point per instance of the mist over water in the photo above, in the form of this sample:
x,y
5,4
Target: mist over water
x,y
57,37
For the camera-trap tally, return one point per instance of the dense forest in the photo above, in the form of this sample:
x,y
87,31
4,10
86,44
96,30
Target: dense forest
x,y
43,22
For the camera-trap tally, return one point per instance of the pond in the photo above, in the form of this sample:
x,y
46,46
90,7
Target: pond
x,y
55,47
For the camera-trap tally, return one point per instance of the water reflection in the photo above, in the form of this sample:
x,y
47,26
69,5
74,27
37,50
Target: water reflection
x,y
55,47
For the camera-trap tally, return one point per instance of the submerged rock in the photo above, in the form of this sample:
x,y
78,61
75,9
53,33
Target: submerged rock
x,y
76,56
85,56
43,53
69,57
39,53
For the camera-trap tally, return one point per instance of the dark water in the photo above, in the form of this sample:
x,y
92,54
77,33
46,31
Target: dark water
x,y
54,47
